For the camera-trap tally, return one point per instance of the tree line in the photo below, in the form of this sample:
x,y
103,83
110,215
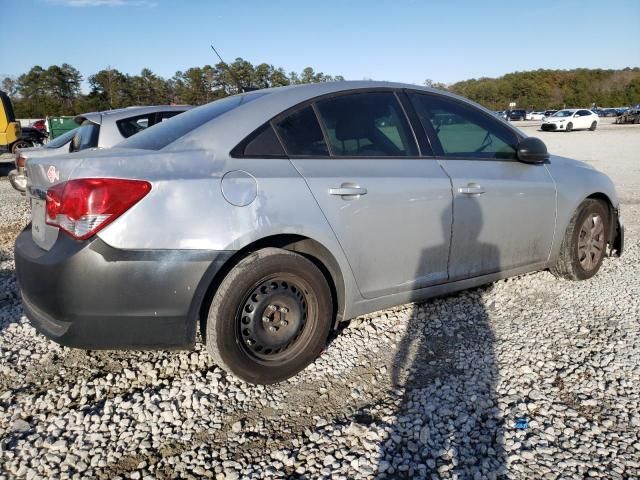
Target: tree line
x,y
542,89
56,90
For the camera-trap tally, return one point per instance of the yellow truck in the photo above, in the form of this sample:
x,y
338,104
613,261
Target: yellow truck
x,y
9,127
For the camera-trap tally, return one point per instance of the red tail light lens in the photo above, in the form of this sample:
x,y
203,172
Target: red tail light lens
x,y
84,207
21,160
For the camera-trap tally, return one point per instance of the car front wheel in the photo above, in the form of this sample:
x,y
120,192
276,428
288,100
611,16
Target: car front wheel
x,y
270,317
569,127
585,242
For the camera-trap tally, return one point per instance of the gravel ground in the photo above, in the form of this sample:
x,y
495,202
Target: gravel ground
x,y
531,377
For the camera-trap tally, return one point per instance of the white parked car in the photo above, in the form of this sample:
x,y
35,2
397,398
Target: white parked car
x,y
571,119
535,115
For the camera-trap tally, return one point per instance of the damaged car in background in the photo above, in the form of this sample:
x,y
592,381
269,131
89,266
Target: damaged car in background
x,y
95,130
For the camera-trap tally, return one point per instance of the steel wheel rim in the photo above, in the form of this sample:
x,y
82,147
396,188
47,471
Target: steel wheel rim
x,y
591,242
273,319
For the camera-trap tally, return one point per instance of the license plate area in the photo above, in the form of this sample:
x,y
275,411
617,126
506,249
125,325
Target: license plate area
x,y
38,226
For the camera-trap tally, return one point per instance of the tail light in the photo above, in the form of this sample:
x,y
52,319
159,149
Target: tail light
x,y
85,206
21,160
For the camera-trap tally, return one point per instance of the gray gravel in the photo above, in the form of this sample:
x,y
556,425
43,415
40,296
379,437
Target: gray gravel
x,y
433,390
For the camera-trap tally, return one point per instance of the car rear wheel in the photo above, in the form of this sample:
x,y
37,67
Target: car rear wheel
x,y
593,126
270,317
569,127
19,144
585,242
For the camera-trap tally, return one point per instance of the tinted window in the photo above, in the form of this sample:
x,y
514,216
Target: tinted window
x,y
367,125
62,139
170,130
86,137
162,116
132,125
583,113
262,143
462,130
301,134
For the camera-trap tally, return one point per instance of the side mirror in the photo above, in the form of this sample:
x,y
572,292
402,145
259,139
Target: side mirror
x,y
532,150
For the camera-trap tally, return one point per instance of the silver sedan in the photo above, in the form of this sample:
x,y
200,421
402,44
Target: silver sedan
x,y
266,218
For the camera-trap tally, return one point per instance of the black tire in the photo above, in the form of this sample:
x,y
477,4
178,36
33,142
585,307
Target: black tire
x,y
246,333
19,144
593,126
569,127
570,264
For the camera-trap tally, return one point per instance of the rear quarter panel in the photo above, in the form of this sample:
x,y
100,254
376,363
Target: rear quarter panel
x,y
186,208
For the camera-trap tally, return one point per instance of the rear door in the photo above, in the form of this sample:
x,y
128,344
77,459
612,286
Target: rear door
x,y
503,210
389,208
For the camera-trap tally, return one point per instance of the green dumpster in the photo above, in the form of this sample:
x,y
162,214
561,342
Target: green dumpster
x,y
59,125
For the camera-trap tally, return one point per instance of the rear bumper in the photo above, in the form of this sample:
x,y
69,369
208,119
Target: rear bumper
x,y
90,295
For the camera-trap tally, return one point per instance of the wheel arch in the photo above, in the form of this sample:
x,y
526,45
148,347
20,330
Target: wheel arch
x,y
308,247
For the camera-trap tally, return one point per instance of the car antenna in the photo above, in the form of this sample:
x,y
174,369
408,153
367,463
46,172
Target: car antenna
x,y
235,79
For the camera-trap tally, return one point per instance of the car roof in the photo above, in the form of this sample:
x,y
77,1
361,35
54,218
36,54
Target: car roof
x,y
236,124
120,113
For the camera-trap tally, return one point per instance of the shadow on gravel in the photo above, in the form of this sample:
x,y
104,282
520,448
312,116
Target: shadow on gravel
x,y
447,421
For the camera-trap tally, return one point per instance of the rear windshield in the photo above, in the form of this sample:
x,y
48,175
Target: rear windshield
x,y
62,139
172,129
86,137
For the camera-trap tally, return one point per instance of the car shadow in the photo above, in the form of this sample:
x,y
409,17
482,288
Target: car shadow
x,y
444,374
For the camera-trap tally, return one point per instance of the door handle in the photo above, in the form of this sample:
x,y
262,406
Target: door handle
x,y
348,190
472,189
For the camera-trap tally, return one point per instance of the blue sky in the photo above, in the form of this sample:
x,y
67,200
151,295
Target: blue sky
x,y
399,40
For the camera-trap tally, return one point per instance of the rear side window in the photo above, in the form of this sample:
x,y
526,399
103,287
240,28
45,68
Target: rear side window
x,y
461,130
261,143
367,125
170,130
86,137
132,125
301,134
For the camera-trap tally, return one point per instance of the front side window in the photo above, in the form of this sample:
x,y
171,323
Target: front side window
x,y
461,130
367,125
301,134
86,137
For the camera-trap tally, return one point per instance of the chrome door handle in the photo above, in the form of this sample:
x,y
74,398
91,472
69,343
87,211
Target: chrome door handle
x,y
472,189
348,190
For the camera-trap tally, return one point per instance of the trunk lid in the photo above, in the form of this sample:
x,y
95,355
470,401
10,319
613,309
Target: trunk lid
x,y
43,173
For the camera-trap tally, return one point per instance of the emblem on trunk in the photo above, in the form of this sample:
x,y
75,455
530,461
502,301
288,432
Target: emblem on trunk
x,y
53,174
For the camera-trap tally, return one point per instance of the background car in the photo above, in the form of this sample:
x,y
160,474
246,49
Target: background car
x,y
571,119
248,218
517,114
548,113
535,115
96,130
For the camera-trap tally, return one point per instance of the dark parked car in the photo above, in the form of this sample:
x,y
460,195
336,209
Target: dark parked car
x,y
517,114
30,137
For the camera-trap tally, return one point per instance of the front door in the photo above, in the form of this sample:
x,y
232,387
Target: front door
x,y
503,210
390,210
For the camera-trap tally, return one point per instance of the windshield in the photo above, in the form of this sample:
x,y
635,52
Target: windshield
x,y
161,135
62,139
563,113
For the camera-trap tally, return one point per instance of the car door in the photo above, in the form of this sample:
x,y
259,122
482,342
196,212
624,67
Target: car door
x,y
503,210
390,209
